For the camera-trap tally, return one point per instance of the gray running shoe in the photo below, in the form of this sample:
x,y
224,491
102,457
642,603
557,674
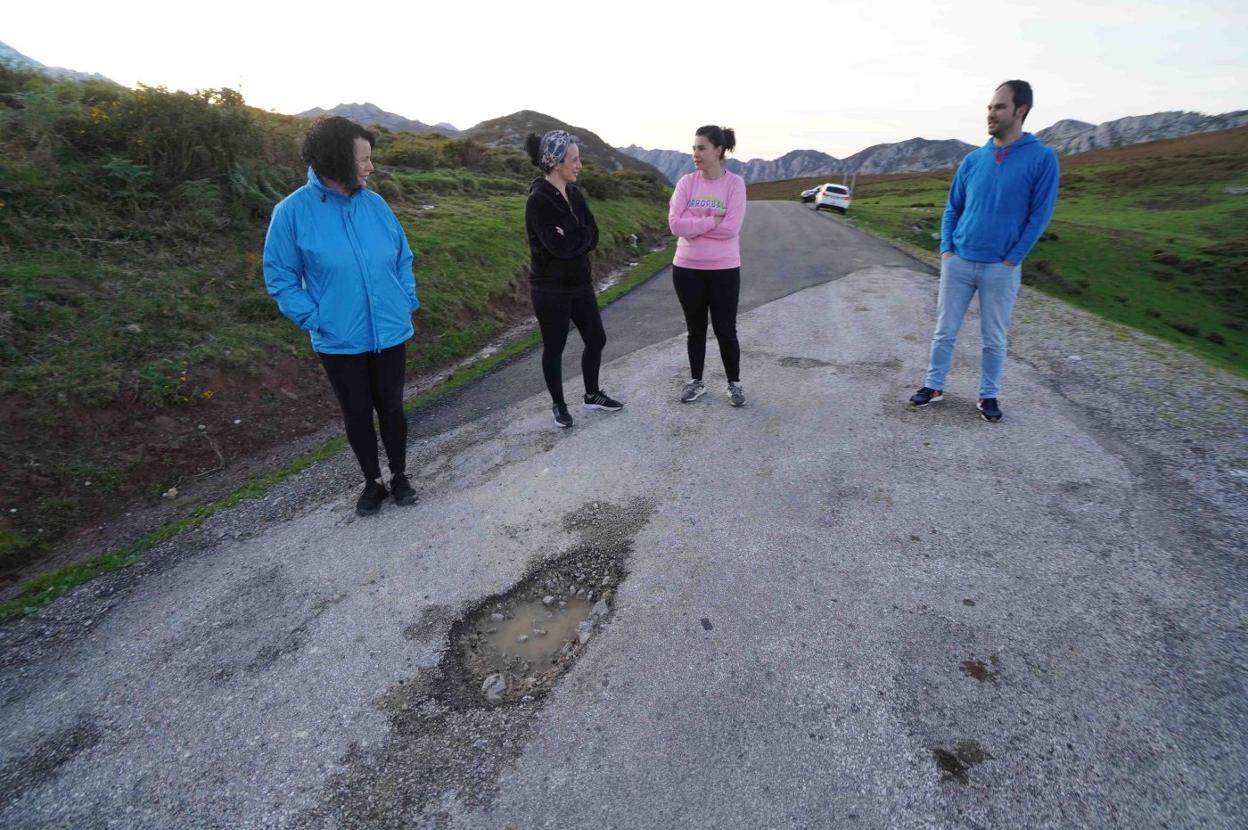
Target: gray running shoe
x,y
693,390
736,394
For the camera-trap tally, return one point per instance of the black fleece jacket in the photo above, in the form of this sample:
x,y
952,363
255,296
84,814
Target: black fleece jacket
x,y
559,259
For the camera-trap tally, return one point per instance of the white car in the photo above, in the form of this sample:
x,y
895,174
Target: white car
x,y
834,196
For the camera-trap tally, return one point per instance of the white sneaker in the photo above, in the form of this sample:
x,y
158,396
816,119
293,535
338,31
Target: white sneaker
x,y
736,394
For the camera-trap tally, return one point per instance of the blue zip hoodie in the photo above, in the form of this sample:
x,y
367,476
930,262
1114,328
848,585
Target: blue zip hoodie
x,y
1000,201
340,268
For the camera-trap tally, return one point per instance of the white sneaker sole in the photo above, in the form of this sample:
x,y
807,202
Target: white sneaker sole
x,y
929,403
696,395
602,408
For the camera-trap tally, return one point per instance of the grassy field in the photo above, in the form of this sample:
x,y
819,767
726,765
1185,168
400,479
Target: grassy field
x,y
1152,235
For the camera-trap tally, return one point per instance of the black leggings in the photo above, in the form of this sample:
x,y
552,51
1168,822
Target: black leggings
x,y
368,382
555,308
717,292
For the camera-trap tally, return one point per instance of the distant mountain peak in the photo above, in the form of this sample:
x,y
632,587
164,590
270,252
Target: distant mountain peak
x,y
369,114
510,131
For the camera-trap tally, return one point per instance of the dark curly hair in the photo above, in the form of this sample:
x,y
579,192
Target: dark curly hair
x,y
1021,92
330,148
722,137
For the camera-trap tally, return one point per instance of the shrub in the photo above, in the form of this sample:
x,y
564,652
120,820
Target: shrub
x,y
641,184
599,184
390,190
464,152
405,150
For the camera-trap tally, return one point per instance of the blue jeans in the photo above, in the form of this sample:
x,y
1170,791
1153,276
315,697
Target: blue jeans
x,y
997,284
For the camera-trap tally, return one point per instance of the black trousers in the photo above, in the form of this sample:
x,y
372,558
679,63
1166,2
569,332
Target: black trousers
x,y
555,309
367,383
715,292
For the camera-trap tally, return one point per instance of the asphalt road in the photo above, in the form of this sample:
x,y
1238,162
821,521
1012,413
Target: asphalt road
x,y
781,256
838,611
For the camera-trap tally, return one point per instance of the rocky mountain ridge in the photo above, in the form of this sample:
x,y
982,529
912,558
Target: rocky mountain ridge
x,y
916,155
13,59
1068,137
913,156
371,114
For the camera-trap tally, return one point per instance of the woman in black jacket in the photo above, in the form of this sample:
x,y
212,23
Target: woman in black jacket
x,y
562,232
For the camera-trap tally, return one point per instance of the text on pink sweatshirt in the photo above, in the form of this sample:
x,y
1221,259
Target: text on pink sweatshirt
x,y
691,216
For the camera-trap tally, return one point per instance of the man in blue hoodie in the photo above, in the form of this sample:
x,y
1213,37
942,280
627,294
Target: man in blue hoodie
x,y
1000,202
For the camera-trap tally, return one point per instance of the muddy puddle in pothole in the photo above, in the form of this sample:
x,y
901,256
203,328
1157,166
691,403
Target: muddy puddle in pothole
x,y
520,644
515,646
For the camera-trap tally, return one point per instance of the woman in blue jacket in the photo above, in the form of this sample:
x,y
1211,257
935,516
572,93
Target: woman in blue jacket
x,y
337,263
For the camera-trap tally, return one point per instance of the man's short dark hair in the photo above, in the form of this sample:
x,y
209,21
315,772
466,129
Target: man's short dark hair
x,y
1021,90
329,147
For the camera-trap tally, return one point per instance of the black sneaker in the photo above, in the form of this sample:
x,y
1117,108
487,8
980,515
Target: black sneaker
x,y
988,409
370,500
601,400
402,490
562,418
925,396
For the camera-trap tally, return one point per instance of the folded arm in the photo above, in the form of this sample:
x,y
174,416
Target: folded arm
x,y
679,219
549,224
733,218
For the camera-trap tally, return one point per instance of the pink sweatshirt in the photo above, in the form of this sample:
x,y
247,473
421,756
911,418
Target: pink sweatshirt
x,y
691,216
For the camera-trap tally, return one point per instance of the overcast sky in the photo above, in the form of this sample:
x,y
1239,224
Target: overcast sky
x,y
788,74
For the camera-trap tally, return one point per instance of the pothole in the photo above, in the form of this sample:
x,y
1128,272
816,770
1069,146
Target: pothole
x,y
517,645
514,646
448,738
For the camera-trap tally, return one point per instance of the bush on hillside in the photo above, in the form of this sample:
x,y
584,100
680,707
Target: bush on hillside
x,y
641,184
95,160
411,151
599,184
464,152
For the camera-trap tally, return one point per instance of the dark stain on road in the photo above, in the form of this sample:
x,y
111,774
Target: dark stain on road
x,y
979,670
41,763
804,363
706,624
447,739
955,764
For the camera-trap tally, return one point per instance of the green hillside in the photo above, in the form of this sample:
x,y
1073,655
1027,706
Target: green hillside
x,y
1152,235
138,348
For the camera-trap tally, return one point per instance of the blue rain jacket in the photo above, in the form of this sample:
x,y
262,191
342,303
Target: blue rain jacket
x,y
340,268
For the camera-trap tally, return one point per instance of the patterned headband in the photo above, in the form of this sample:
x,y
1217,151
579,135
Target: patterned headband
x,y
553,148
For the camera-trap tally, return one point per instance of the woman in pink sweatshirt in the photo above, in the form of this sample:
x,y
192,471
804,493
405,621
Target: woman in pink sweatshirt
x,y
706,212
